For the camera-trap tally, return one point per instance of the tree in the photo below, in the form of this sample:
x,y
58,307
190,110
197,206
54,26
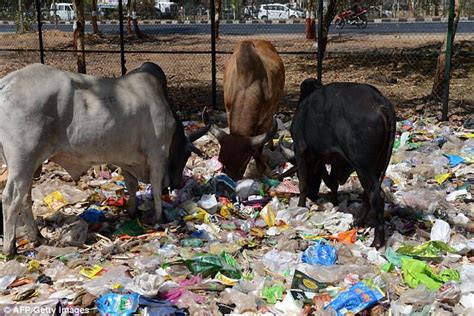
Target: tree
x,y
437,90
218,6
79,35
132,18
334,6
95,27
310,23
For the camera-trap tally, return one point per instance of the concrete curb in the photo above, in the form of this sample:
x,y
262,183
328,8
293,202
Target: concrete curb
x,y
296,21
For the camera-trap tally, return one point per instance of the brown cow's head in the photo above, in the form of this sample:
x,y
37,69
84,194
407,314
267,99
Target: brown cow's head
x,y
236,151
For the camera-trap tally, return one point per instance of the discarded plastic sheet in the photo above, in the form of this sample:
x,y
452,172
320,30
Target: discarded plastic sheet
x,y
320,253
428,250
416,272
355,299
118,304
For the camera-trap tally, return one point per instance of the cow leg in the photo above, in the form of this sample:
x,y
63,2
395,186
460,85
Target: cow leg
x,y
314,182
259,161
132,185
363,211
16,200
372,189
157,173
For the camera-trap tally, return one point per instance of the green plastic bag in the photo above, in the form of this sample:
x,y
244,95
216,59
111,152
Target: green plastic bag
x,y
273,293
393,257
131,228
209,265
416,272
429,250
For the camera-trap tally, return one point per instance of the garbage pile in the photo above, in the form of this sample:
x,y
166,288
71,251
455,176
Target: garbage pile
x,y
246,247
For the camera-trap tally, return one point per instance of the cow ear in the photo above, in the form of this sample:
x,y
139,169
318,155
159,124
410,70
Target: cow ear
x,y
308,86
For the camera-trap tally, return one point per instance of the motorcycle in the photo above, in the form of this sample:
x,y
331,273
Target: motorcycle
x,y
358,19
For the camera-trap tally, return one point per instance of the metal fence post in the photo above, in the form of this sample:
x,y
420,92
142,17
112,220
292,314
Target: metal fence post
x,y
447,57
320,40
212,13
40,33
122,49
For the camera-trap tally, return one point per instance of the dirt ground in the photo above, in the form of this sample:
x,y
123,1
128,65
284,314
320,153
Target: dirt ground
x,y
401,66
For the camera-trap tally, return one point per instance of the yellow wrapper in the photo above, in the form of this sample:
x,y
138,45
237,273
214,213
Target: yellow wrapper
x,y
91,272
440,178
33,265
226,280
55,200
267,215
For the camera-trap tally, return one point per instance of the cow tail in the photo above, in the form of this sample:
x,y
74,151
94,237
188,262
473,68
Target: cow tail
x,y
390,124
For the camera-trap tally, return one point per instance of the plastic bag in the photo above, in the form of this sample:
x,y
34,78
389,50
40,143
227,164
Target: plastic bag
x,y
440,231
355,299
416,272
320,253
273,294
118,304
208,265
428,250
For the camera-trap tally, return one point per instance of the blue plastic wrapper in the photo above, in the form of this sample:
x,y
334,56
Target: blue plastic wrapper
x,y
112,304
320,253
93,215
355,299
454,160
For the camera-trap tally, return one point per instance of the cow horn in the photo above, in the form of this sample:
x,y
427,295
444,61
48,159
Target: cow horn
x,y
286,151
217,132
203,130
260,140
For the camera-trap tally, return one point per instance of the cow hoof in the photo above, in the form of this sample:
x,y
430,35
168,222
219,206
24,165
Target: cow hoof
x,y
39,240
10,253
378,243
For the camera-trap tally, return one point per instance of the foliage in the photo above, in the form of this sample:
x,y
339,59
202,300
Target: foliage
x,y
27,22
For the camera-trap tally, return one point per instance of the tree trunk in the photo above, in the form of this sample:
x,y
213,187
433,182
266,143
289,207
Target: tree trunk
x,y
95,27
327,19
310,23
437,90
129,17
20,17
217,17
79,35
411,11
135,20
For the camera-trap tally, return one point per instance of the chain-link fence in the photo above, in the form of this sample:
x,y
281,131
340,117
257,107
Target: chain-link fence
x,y
393,52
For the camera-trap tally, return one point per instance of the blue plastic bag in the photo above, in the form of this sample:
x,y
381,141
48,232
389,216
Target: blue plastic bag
x,y
112,304
320,253
93,215
355,299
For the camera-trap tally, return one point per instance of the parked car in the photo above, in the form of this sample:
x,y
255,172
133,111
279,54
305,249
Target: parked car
x,y
279,11
63,11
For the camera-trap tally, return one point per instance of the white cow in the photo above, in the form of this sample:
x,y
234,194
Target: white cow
x,y
79,120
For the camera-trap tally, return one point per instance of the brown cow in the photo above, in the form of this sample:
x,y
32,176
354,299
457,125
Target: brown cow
x,y
254,80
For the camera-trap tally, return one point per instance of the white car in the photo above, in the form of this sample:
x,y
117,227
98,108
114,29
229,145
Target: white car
x,y
64,11
276,11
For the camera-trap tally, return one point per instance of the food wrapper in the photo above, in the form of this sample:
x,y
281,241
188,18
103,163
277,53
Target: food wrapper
x,y
355,299
55,200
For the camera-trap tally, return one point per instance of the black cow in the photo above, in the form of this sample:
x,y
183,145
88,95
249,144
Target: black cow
x,y
351,127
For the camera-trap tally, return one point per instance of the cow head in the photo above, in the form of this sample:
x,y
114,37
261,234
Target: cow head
x,y
307,87
180,150
236,151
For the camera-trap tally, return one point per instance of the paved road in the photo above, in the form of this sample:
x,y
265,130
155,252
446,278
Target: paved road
x,y
259,29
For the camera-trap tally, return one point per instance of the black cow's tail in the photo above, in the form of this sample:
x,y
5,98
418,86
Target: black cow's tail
x,y
390,125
